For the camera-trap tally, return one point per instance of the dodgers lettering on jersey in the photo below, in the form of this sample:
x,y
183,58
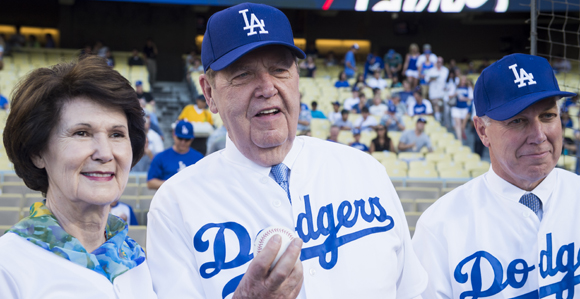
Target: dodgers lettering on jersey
x,y
566,261
522,77
328,222
255,23
419,109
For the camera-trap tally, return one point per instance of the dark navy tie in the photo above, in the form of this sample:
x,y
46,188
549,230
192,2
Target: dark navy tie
x,y
280,173
531,201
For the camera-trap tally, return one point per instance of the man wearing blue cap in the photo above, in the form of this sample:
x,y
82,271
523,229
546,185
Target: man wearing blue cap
x,y
174,159
511,232
352,238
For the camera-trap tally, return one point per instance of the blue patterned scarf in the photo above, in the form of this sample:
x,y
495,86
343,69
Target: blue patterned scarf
x,y
117,255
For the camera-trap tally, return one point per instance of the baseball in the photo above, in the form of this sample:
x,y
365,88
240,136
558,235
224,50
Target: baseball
x,y
264,236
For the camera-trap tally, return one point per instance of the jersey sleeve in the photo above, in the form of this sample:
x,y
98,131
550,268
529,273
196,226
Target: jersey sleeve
x,y
171,261
433,256
155,169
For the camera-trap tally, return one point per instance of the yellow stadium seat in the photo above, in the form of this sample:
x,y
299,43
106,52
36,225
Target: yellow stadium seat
x,y
457,149
396,172
444,165
437,157
465,157
395,164
384,156
454,173
345,137
472,165
410,156
567,162
421,164
423,173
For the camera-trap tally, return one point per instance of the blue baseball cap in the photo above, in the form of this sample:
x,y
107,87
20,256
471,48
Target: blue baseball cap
x,y
355,131
138,83
237,30
512,84
421,119
336,103
184,129
392,108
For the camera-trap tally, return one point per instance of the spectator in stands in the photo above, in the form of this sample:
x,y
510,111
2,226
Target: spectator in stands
x,y
216,140
311,50
356,143
453,68
392,121
393,64
352,101
100,49
400,106
110,58
378,108
470,68
484,64
376,81
419,106
334,131
304,118
427,55
342,80
350,61
360,83
335,114
407,93
49,41
464,96
4,104
309,66
33,42
395,83
197,113
565,118
373,64
124,211
330,59
174,159
437,78
423,69
135,58
343,123
365,122
415,140
150,51
383,142
196,66
362,103
410,66
315,113
87,50
154,139
569,102
86,133
561,65
141,94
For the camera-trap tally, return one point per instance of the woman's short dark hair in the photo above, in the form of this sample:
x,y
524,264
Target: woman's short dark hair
x,y
36,107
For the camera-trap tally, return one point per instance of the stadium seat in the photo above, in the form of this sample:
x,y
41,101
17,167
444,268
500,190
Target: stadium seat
x,y
415,192
567,162
423,204
131,189
412,218
437,157
395,164
477,172
423,173
422,164
397,182
473,165
138,233
453,184
408,205
410,156
11,200
465,157
444,165
143,190
457,149
385,156
424,184
131,200
9,215
454,173
345,137
16,187
446,190
12,177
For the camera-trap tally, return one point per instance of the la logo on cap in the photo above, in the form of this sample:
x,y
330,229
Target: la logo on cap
x,y
184,130
523,76
255,23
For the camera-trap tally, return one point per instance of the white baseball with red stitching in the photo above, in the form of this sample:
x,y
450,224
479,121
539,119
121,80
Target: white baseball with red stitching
x,y
287,235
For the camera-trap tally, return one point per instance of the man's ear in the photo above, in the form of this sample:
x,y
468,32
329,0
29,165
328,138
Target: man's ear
x,y
480,128
208,92
38,161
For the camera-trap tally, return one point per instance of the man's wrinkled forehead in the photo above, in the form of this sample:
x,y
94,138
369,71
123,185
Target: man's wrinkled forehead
x,y
278,55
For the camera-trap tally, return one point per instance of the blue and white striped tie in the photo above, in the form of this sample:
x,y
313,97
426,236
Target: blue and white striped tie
x,y
531,201
280,173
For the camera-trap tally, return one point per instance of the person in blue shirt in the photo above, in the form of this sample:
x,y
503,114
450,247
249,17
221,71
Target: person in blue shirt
x,y
350,62
174,159
374,63
342,80
315,112
356,144
3,102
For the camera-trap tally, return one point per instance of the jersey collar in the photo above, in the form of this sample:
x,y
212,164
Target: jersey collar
x,y
506,189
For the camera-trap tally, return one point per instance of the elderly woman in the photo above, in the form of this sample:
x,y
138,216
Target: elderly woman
x,y
73,133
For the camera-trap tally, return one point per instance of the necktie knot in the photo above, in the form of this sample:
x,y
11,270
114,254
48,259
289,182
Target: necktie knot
x,y
280,172
531,201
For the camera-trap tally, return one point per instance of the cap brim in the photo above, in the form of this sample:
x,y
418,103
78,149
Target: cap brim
x,y
513,108
235,54
184,136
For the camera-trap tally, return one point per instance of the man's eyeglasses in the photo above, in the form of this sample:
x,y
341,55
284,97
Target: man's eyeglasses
x,y
183,139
